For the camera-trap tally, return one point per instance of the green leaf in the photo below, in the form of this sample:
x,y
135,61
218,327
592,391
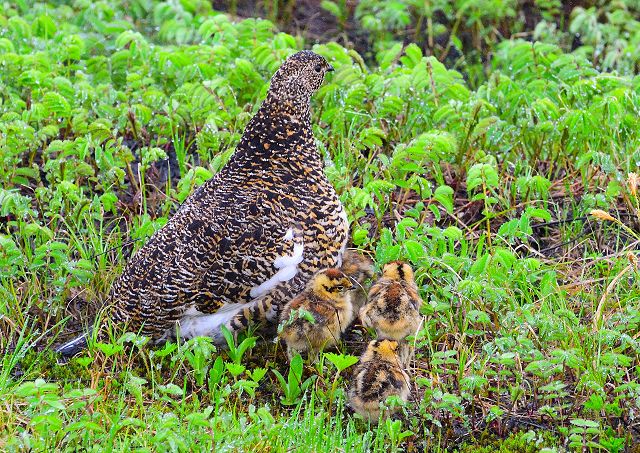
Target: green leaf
x,y
341,361
57,104
444,195
332,8
44,26
539,213
415,250
109,349
414,55
585,423
480,265
481,173
235,369
594,403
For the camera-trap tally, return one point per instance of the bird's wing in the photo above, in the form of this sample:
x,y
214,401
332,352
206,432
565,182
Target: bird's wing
x,y
412,293
323,311
377,289
259,245
244,249
227,247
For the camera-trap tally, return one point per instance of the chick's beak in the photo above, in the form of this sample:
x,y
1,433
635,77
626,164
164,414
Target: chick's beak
x,y
330,68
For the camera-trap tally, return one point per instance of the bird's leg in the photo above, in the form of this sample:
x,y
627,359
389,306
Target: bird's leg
x,y
291,352
263,311
266,309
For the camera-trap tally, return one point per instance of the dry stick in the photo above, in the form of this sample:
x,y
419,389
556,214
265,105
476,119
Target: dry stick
x,y
591,281
337,340
574,219
558,222
588,262
412,359
463,153
8,320
454,30
569,242
610,287
459,221
355,281
433,83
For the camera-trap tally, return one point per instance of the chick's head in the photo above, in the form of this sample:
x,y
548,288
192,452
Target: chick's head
x,y
391,351
357,266
331,284
398,270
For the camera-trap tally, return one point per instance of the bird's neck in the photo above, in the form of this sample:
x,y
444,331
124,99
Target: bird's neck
x,y
297,108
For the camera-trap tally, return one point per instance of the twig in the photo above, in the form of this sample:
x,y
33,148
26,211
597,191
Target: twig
x,y
610,286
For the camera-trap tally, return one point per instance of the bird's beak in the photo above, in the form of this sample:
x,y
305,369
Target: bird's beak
x,y
330,69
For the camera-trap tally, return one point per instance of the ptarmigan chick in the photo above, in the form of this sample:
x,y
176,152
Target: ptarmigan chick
x,y
359,268
394,304
379,375
248,239
319,315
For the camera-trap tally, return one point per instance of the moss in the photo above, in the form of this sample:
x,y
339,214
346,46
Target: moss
x,y
45,364
518,442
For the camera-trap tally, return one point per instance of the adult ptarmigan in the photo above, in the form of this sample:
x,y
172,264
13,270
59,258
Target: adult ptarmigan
x,y
247,240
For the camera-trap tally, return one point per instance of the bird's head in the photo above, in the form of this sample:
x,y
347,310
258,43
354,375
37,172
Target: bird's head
x,y
299,77
357,266
398,270
390,350
331,284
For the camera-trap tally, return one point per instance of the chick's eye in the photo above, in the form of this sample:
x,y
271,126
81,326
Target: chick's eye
x,y
318,68
339,287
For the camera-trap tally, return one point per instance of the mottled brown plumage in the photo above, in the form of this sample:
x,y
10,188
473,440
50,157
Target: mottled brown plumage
x,y
393,309
249,238
359,268
379,375
327,299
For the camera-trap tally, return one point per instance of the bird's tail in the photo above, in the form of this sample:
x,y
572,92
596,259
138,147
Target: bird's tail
x,y
73,347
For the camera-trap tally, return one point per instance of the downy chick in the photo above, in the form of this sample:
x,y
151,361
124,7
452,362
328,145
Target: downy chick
x,y
319,315
379,375
359,268
394,304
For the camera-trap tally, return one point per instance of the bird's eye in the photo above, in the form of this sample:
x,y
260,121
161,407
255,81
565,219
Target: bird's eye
x,y
318,68
339,287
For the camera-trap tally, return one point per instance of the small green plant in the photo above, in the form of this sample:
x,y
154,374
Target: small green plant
x,y
293,387
198,351
394,430
299,313
236,352
341,362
